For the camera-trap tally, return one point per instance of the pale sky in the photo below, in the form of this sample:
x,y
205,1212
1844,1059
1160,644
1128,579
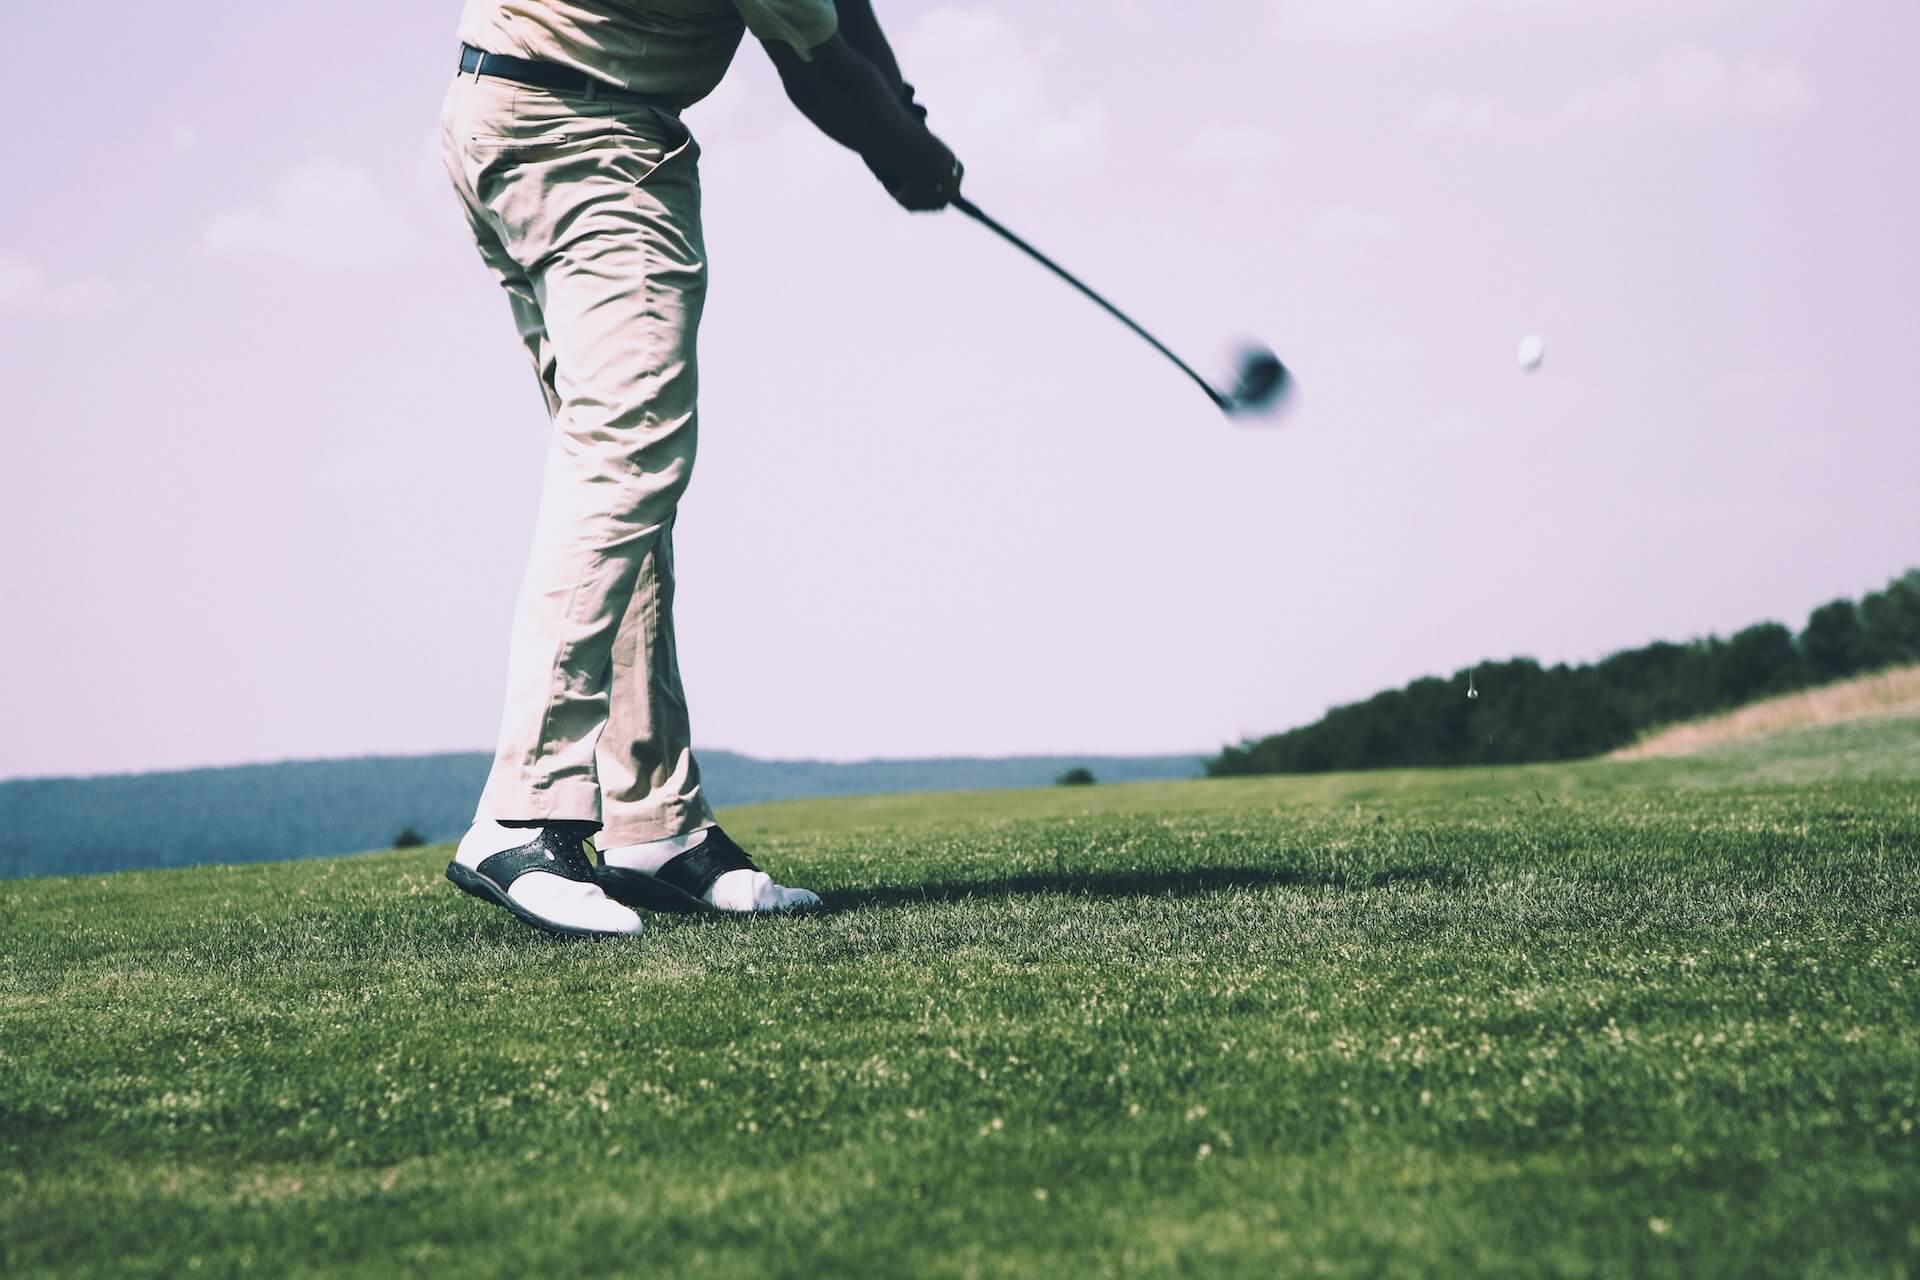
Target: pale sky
x,y
271,447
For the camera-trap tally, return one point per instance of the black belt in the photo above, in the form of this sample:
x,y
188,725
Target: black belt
x,y
549,75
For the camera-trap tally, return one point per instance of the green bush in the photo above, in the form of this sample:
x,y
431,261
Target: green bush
x,y
1834,643
1078,776
1892,620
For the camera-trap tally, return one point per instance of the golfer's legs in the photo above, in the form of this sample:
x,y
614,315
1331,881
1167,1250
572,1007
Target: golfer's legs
x,y
592,224
649,782
649,779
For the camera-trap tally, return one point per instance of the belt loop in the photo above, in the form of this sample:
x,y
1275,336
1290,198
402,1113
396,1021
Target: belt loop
x,y
593,89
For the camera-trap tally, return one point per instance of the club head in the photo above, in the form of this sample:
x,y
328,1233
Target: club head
x,y
1260,383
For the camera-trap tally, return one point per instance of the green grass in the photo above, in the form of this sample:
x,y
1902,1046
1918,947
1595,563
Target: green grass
x,y
1650,1018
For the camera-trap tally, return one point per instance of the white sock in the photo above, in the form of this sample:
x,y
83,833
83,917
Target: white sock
x,y
740,890
651,855
486,838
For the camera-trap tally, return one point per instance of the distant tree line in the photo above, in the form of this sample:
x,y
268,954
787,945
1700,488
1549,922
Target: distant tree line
x,y
1525,712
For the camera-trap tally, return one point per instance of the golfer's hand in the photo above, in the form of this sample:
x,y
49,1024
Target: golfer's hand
x,y
922,176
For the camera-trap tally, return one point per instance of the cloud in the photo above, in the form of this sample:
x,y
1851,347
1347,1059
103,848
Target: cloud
x,y
1355,21
1343,225
1682,85
20,281
1232,142
1360,20
322,214
429,162
26,284
80,295
987,81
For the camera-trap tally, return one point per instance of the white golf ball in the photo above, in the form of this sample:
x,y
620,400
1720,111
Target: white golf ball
x,y
1533,349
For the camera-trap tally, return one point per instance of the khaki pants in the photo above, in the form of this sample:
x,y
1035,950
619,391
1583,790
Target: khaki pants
x,y
588,213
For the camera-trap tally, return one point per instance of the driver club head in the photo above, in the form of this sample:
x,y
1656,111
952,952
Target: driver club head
x,y
1260,383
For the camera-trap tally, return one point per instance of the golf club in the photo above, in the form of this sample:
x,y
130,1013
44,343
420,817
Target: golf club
x,y
1259,379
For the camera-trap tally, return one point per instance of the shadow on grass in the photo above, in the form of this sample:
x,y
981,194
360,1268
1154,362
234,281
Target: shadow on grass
x,y
1137,884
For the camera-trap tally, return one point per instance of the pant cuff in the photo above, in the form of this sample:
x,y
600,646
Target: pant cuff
x,y
570,801
656,822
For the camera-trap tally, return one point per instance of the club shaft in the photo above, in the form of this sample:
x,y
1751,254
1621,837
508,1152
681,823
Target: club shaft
x,y
974,211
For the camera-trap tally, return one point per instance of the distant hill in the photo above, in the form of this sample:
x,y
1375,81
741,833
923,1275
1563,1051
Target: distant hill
x,y
299,809
1517,711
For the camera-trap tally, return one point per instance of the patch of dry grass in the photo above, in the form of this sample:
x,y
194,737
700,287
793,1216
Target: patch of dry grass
x,y
1894,692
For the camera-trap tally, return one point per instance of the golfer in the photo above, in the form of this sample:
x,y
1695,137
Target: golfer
x,y
563,138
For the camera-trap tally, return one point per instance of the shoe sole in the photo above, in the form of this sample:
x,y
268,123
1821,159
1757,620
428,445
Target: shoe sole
x,y
479,886
638,890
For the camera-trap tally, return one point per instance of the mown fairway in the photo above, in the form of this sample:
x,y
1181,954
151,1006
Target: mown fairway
x,y
1650,1018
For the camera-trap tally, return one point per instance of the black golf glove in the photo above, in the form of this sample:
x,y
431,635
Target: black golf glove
x,y
906,97
925,177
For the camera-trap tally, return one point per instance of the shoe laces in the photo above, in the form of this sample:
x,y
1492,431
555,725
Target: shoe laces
x,y
572,850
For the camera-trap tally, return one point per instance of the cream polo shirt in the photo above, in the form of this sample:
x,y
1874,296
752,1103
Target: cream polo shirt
x,y
678,49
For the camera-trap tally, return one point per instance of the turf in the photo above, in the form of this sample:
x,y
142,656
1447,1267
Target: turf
x,y
1659,1018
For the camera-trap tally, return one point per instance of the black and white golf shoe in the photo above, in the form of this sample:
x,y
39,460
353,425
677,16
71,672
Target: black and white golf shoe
x,y
544,875
703,872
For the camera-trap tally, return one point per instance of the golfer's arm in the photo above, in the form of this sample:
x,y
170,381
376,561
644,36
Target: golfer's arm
x,y
849,97
862,30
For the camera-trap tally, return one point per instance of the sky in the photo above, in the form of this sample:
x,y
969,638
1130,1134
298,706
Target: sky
x,y
271,448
